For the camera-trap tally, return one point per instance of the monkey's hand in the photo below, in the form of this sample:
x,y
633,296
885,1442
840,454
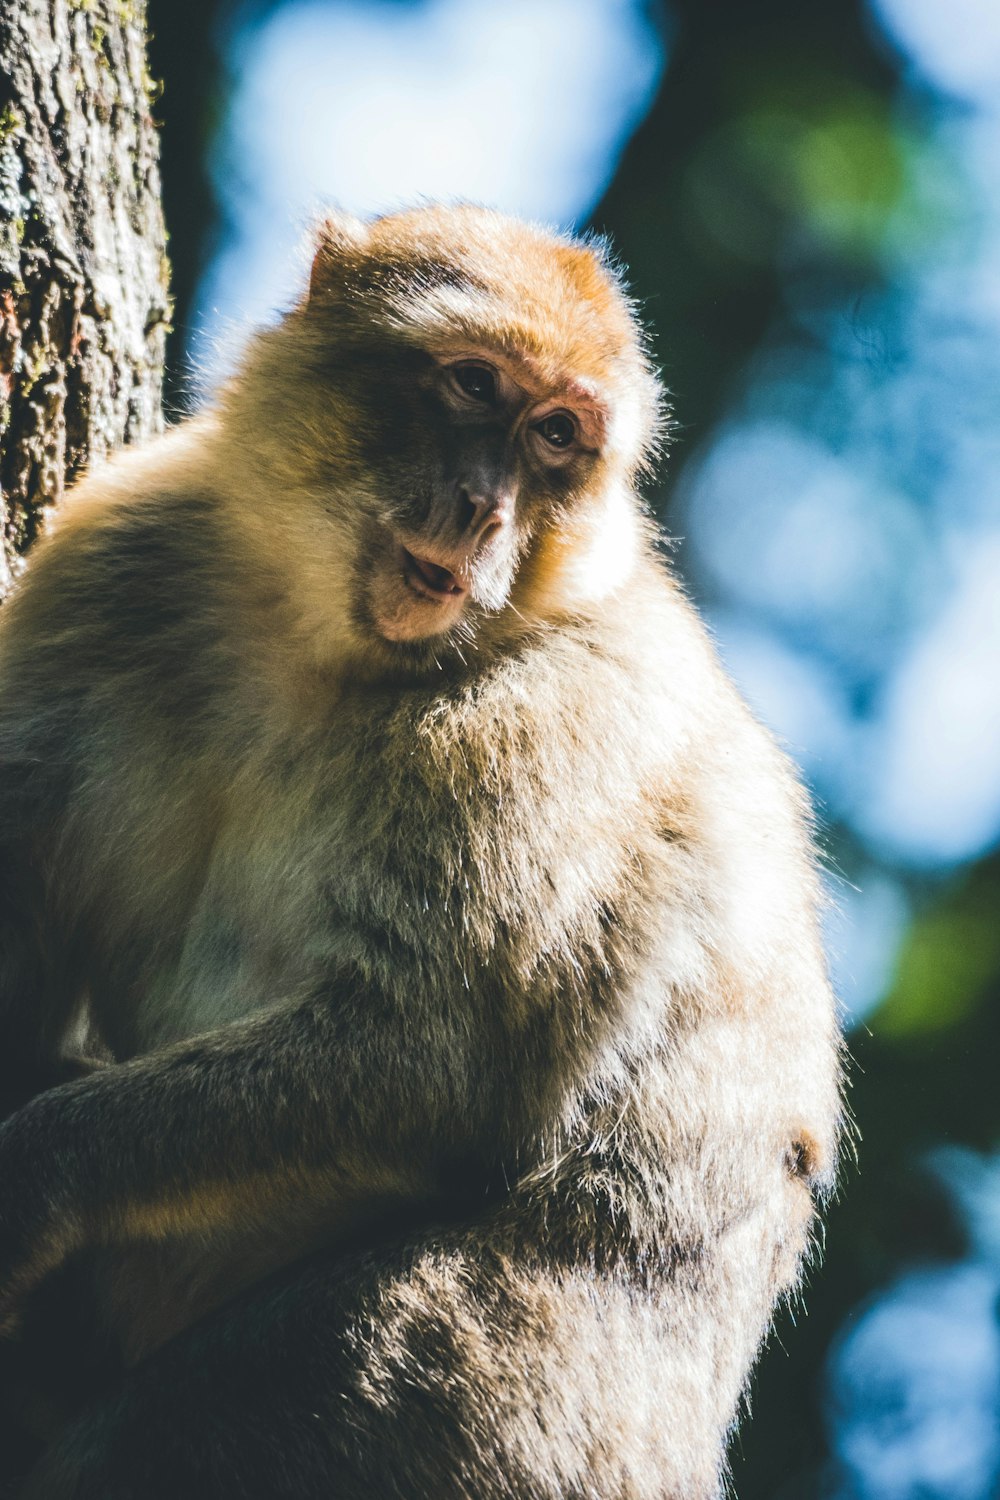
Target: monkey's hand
x,y
315,1101
25,1084
40,1223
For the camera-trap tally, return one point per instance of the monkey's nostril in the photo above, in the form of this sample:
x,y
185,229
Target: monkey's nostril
x,y
440,580
467,510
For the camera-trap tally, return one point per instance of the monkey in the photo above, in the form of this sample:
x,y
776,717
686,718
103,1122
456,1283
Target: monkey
x,y
415,1027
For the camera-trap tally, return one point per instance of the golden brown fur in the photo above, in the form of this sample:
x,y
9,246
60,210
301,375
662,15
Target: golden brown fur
x,y
457,936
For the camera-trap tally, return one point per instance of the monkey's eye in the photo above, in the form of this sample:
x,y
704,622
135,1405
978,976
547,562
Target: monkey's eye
x,y
475,380
558,429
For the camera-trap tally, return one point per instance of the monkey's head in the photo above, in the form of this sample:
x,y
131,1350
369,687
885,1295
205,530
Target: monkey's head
x,y
463,402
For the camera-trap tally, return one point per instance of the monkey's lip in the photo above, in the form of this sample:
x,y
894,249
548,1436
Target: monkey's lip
x,y
429,578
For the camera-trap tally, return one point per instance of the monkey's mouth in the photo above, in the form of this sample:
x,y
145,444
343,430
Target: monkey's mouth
x,y
429,579
412,597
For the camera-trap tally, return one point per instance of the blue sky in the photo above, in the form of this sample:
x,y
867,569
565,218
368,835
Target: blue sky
x,y
524,105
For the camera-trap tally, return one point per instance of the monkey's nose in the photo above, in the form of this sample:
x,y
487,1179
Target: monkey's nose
x,y
479,514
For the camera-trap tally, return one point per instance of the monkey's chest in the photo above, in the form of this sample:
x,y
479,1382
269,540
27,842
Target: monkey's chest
x,y
342,858
188,932
258,932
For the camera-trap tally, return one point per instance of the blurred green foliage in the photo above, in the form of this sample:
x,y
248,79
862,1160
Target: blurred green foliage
x,y
764,107
951,954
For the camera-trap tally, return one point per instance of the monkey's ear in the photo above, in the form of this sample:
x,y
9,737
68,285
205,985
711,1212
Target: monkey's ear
x,y
340,241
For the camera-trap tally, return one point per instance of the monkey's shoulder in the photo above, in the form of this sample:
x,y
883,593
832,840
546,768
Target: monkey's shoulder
x,y
124,589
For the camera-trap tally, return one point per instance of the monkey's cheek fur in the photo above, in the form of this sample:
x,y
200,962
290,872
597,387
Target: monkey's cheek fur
x,y
403,609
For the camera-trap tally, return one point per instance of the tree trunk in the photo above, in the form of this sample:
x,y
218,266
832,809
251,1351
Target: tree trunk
x,y
83,308
83,271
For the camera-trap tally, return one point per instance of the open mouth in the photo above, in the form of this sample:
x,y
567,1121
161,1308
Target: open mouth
x,y
429,579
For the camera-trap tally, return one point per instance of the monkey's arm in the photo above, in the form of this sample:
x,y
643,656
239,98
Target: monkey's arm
x,y
588,1337
329,1096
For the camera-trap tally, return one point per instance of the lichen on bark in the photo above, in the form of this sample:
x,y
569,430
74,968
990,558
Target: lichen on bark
x,y
83,271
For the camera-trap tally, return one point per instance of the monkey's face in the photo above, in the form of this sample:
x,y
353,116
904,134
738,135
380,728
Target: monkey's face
x,y
471,451
455,417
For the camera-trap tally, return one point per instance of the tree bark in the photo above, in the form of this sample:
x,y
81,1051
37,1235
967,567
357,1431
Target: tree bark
x,y
83,308
83,270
